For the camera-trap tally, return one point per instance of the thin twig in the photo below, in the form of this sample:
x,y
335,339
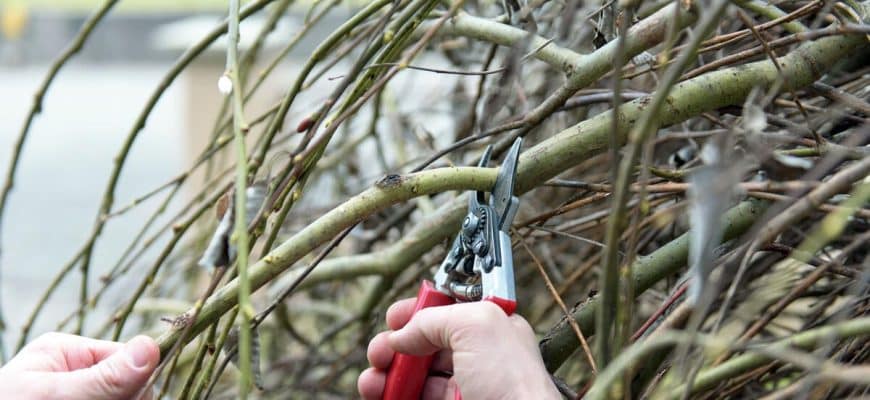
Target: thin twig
x,y
566,313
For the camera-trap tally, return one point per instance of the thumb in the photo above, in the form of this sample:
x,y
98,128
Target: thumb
x,y
457,327
119,376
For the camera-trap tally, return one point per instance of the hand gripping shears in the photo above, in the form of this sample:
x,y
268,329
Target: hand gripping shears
x,y
479,266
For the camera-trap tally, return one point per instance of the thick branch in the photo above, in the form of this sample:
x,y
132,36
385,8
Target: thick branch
x,y
746,362
581,69
557,346
538,164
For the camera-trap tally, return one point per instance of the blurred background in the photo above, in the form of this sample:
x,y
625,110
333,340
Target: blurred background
x,y
90,109
86,115
314,341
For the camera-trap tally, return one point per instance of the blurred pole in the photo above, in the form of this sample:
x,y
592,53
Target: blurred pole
x,y
14,19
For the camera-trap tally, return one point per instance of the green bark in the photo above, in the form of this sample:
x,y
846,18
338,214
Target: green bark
x,y
693,97
538,164
561,342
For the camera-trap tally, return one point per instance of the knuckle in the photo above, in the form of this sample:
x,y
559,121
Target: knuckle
x,y
424,319
522,326
481,315
479,319
488,313
112,378
429,325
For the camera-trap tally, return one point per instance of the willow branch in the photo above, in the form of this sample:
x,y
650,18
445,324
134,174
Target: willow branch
x,y
83,256
806,340
538,164
771,11
36,107
729,86
240,234
556,347
609,342
753,358
74,47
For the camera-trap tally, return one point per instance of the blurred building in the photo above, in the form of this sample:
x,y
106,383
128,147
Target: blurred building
x,y
87,112
125,37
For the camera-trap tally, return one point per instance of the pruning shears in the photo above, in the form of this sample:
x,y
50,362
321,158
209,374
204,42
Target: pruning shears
x,y
478,267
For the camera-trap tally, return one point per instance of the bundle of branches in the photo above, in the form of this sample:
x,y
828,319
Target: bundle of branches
x,y
694,190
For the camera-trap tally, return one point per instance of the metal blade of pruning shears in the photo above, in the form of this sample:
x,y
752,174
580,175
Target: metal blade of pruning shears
x,y
479,266
504,201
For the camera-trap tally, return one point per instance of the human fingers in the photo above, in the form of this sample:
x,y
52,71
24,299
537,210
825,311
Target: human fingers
x,y
445,327
439,388
522,327
379,353
482,338
371,384
400,312
443,361
59,352
119,376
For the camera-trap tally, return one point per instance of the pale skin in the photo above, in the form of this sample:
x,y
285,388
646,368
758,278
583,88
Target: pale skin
x,y
63,366
489,354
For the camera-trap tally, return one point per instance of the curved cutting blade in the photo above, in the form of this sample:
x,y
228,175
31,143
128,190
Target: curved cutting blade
x,y
503,200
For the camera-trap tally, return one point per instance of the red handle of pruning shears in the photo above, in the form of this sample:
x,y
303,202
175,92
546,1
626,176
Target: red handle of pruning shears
x,y
408,373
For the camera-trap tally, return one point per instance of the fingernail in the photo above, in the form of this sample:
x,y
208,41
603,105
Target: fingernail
x,y
139,351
